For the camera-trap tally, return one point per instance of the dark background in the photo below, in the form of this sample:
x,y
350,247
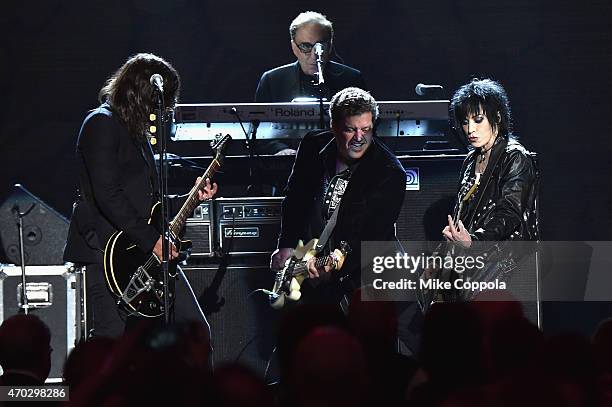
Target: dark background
x,y
554,58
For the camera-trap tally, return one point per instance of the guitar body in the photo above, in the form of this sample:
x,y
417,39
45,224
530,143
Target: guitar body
x,y
288,281
135,277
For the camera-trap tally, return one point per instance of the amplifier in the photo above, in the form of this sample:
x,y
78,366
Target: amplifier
x,y
242,323
53,292
199,231
431,188
247,226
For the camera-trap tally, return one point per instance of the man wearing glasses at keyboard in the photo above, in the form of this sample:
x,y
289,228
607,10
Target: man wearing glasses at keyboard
x,y
285,83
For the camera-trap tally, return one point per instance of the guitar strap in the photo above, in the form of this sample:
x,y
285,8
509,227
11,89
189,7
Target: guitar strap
x,y
329,228
331,223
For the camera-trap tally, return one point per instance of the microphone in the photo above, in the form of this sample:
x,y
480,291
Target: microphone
x,y
318,49
157,82
422,89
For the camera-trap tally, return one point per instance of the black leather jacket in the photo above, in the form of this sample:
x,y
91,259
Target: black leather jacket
x,y
503,209
504,206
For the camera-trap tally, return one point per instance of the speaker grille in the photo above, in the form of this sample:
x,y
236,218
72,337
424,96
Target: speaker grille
x,y
433,185
243,324
200,235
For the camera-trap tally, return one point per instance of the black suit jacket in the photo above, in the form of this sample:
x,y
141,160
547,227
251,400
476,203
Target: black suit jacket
x,y
282,84
370,205
117,188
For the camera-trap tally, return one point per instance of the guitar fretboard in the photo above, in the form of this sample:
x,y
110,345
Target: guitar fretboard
x,y
192,200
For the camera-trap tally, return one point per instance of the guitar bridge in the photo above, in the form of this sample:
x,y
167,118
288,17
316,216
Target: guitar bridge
x,y
140,282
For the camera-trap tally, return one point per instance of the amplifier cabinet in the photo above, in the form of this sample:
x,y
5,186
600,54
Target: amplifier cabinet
x,y
247,226
199,231
52,292
431,188
242,323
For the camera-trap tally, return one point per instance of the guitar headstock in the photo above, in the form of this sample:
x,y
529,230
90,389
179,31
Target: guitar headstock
x,y
219,144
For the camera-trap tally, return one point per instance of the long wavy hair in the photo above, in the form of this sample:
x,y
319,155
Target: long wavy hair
x,y
130,94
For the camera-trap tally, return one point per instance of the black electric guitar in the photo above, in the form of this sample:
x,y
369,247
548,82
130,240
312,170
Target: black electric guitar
x,y
135,277
289,280
431,296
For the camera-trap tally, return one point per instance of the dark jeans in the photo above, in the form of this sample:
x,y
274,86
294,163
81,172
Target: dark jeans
x,y
105,318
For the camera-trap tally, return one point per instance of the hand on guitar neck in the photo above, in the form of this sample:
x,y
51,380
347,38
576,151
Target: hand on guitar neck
x,y
315,272
207,192
280,257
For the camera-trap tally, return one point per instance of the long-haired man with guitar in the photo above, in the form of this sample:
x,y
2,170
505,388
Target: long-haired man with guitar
x,y
118,191
346,177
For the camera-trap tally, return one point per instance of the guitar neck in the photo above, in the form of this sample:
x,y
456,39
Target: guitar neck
x,y
457,213
300,267
192,200
465,198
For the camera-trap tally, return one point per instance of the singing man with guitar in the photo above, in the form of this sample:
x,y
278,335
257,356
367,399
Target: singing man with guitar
x,y
348,170
118,190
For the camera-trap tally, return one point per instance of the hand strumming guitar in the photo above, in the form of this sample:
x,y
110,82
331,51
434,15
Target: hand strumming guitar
x,y
457,233
280,257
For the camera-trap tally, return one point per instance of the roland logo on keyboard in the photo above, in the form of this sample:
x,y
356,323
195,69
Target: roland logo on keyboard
x,y
296,112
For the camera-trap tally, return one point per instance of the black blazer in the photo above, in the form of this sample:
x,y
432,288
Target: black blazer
x,y
282,84
370,205
117,188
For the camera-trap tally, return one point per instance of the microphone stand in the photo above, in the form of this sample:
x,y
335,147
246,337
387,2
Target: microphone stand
x,y
319,84
19,215
250,147
163,192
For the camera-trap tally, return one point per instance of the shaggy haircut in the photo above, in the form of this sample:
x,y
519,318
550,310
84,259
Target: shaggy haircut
x,y
131,95
482,95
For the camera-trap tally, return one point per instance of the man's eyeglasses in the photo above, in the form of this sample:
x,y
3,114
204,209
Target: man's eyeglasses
x,y
306,47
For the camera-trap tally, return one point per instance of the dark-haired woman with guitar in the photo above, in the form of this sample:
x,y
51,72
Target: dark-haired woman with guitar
x,y
499,177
